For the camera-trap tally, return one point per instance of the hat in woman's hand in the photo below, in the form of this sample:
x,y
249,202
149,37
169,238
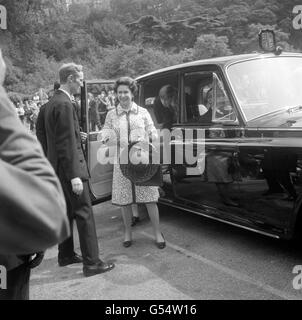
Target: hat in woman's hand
x,y
139,167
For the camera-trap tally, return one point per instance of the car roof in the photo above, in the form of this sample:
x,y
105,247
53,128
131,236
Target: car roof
x,y
100,81
221,61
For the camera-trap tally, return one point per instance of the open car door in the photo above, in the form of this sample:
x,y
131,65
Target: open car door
x,y
97,98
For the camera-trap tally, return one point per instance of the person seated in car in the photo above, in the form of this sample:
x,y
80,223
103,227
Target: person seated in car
x,y
165,106
189,101
205,110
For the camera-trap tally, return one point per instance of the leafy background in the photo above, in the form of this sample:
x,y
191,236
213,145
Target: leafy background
x,y
132,37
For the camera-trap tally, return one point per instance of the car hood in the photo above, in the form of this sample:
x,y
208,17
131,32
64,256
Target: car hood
x,y
283,119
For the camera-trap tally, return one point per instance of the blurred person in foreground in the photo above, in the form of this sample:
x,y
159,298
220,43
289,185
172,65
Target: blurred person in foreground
x,y
65,152
32,209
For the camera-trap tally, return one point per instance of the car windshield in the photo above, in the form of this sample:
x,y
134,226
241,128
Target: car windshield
x,y
267,85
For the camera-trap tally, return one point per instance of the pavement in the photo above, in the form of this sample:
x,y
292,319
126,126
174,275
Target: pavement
x,y
203,260
136,274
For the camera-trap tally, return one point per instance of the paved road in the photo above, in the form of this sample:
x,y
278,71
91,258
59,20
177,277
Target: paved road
x,y
203,259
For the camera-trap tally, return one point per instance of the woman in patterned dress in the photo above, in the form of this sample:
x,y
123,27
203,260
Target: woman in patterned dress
x,y
127,123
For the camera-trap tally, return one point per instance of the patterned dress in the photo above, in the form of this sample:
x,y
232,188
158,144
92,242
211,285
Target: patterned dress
x,y
124,192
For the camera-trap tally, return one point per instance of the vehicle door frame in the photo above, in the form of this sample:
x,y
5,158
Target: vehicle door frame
x,y
84,124
224,124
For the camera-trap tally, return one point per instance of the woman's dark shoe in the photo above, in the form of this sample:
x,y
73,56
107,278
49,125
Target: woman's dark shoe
x,y
135,220
161,245
127,244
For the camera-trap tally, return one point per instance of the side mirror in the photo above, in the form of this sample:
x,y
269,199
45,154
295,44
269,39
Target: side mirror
x,y
267,41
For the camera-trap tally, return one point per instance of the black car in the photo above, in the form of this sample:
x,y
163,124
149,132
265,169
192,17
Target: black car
x,y
241,116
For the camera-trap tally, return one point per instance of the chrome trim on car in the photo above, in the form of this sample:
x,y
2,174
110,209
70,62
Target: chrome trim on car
x,y
172,204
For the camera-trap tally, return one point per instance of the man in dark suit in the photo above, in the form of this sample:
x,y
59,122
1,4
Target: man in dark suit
x,y
64,151
40,125
32,208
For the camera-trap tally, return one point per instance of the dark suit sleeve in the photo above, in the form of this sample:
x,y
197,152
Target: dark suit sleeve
x,y
32,207
66,146
40,129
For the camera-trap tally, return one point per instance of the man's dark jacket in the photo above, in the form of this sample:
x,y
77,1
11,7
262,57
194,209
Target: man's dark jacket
x,y
63,140
32,207
40,128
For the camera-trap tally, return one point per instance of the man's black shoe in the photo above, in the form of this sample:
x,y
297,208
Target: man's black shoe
x,y
100,267
70,260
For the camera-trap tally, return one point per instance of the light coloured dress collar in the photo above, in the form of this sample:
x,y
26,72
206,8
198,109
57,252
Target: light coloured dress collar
x,y
134,109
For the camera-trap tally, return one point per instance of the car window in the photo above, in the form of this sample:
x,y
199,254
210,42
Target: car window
x,y
223,110
161,98
266,86
206,100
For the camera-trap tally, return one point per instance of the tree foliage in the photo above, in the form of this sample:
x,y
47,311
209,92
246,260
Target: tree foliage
x,y
210,45
133,36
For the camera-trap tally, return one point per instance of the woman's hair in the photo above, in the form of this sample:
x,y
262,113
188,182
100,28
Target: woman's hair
x,y
126,81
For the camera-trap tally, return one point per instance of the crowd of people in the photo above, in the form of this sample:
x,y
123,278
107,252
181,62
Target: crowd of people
x,y
98,107
28,111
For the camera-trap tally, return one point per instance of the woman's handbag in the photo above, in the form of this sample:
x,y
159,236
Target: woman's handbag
x,y
140,170
155,180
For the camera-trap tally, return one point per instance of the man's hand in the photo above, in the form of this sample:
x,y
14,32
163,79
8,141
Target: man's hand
x,y
36,260
2,69
103,138
77,186
83,136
